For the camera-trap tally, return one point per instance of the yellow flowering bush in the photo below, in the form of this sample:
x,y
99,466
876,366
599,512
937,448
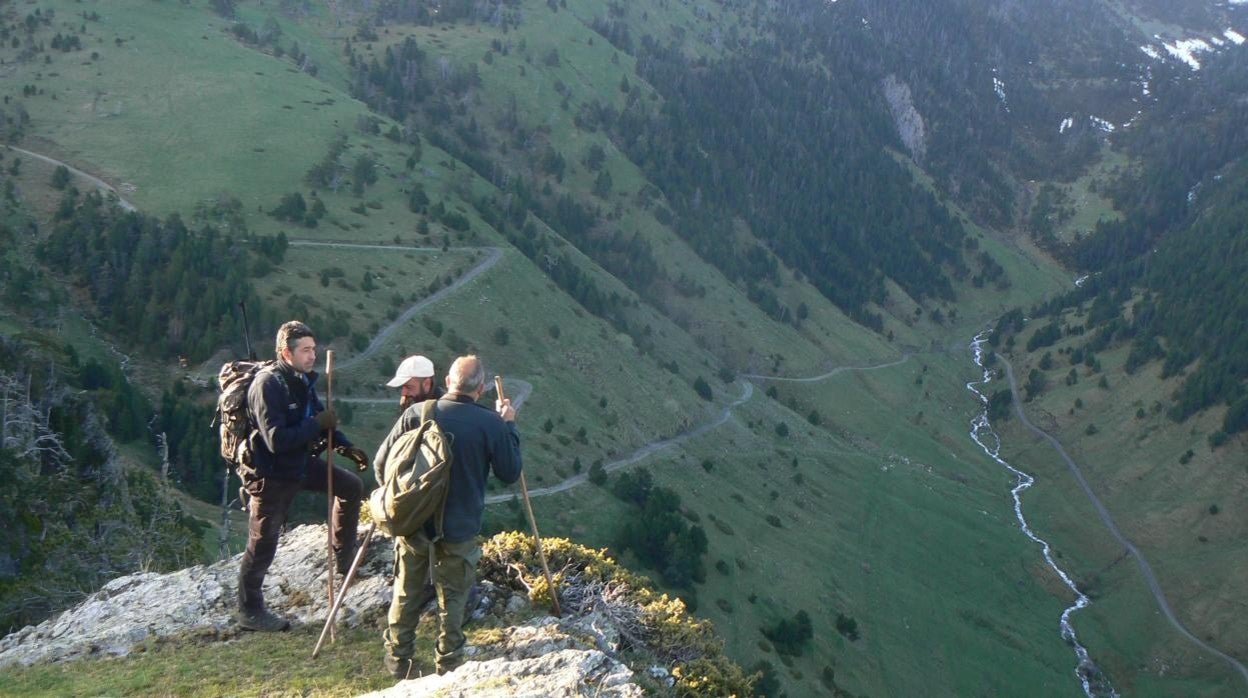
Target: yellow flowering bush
x,y
658,626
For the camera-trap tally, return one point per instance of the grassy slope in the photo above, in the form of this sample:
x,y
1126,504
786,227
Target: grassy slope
x,y
1163,506
247,665
888,516
957,625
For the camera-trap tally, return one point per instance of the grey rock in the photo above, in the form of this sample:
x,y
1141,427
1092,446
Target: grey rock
x,y
559,674
906,117
517,603
146,605
545,656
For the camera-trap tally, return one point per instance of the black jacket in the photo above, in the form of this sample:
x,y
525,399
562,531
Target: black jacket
x,y
480,441
284,435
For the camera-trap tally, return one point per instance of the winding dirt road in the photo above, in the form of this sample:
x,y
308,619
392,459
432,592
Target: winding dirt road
x,y
747,390
99,183
493,255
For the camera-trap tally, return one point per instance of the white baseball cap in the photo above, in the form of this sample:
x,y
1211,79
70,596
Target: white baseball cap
x,y
412,367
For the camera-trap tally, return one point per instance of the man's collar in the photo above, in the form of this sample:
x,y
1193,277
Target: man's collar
x,y
308,378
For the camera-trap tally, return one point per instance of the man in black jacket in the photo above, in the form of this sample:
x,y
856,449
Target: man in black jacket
x,y
289,424
481,440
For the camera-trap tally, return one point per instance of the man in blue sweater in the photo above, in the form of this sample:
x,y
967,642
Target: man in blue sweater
x,y
288,427
481,440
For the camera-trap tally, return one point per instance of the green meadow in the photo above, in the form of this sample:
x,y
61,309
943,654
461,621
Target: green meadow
x,y
1172,495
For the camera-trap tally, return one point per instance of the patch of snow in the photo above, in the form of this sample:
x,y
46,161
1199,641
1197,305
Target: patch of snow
x,y
1068,122
1235,37
1151,52
999,88
1216,41
1187,49
1101,124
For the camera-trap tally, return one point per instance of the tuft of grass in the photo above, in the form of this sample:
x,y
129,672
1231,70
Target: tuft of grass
x,y
250,664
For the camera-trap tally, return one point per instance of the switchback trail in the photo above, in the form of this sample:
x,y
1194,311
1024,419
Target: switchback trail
x,y
747,391
85,175
518,389
525,388
824,376
1145,569
493,254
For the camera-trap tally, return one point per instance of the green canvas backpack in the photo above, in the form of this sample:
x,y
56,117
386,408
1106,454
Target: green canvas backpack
x,y
415,479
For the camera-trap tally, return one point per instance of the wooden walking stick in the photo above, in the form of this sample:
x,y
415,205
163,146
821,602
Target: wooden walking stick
x,y
342,593
329,478
528,508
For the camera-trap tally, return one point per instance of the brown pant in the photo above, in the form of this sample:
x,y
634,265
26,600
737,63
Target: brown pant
x,y
270,502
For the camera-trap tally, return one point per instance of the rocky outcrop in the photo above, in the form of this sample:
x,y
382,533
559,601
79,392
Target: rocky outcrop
x,y
144,606
544,657
608,611
906,117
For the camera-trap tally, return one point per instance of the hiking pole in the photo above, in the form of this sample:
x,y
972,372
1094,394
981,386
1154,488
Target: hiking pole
x,y
346,583
247,331
329,477
528,508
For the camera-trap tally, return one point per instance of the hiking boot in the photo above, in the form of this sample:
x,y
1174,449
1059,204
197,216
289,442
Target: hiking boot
x,y
446,662
262,620
401,668
446,665
344,556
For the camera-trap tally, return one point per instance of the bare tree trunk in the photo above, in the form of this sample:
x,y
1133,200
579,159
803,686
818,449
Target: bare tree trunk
x,y
223,543
163,445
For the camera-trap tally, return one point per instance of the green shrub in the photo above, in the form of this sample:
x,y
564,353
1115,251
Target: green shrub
x,y
666,633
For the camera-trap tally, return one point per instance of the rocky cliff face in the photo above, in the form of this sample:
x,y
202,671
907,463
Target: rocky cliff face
x,y
906,117
576,655
544,657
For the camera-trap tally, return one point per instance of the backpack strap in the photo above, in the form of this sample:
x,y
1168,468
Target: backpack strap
x,y
276,370
428,413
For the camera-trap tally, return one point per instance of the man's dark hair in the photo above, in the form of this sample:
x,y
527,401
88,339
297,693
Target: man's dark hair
x,y
289,334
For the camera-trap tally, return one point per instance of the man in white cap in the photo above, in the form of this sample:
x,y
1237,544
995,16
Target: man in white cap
x,y
414,377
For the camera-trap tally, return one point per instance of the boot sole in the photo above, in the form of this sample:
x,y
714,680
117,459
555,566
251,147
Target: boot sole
x,y
263,628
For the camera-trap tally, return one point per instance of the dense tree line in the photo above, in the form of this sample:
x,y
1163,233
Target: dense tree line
x,y
1183,210
812,216
657,533
511,217
156,284
791,636
799,159
73,517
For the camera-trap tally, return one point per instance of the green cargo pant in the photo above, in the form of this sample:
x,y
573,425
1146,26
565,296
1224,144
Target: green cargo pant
x,y
454,570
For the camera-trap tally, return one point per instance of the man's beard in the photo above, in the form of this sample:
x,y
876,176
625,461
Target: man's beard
x,y
406,401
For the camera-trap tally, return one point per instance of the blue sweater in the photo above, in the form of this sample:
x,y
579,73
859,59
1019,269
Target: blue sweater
x,y
480,442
